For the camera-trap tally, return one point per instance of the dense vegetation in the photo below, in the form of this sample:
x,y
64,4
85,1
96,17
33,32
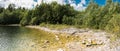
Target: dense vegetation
x,y
105,17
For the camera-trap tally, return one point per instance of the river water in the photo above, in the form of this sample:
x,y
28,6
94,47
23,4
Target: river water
x,y
14,38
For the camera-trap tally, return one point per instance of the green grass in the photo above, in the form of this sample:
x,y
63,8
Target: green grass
x,y
56,26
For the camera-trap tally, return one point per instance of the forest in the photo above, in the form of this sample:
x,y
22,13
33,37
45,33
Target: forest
x,y
105,17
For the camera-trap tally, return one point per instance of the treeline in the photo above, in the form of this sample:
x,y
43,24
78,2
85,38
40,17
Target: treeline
x,y
45,13
11,15
49,13
105,17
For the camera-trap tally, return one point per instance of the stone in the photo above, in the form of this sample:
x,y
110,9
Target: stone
x,y
57,39
88,44
46,41
77,36
74,32
44,46
94,42
67,36
32,45
83,42
99,42
60,49
56,36
89,40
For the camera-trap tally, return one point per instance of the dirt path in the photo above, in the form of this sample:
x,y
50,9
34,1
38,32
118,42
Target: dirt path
x,y
90,40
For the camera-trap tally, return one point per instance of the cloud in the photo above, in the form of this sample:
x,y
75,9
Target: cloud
x,y
18,3
31,3
80,6
50,1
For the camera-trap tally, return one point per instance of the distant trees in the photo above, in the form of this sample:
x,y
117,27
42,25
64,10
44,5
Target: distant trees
x,y
11,7
48,13
10,15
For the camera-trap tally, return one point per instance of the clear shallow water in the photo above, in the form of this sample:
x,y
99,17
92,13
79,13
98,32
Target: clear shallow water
x,y
18,38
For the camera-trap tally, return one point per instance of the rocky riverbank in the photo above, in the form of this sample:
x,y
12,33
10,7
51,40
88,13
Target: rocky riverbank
x,y
91,40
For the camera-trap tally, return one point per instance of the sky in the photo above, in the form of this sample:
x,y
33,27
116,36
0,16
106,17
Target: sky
x,y
77,4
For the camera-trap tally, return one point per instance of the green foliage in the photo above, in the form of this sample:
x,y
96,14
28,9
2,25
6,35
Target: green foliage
x,y
68,20
1,10
34,21
11,7
114,24
49,13
9,17
101,17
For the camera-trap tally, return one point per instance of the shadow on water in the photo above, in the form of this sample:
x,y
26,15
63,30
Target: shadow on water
x,y
12,37
9,31
15,38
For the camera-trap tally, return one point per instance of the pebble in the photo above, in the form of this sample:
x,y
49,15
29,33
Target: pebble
x,y
67,36
32,45
60,49
83,42
57,39
88,44
44,46
77,36
56,36
46,41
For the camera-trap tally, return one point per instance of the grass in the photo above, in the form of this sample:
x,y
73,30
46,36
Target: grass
x,y
56,26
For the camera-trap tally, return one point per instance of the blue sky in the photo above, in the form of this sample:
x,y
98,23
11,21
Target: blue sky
x,y
100,2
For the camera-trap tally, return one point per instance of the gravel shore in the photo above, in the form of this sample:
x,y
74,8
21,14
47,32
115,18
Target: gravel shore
x,y
90,40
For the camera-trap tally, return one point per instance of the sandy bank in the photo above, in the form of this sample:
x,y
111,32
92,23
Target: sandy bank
x,y
90,40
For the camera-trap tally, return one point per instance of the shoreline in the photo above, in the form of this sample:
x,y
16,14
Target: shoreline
x,y
11,25
99,39
70,31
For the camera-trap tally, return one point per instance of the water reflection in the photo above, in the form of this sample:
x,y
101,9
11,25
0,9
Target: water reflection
x,y
14,38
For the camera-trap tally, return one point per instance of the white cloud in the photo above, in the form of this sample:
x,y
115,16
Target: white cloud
x,y
78,6
31,3
50,1
18,3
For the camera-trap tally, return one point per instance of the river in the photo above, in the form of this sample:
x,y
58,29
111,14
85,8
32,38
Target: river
x,y
14,38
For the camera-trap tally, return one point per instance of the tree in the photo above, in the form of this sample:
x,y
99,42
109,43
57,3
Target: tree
x,y
1,9
11,7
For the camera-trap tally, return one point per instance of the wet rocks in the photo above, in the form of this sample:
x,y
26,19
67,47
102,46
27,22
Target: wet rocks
x,y
67,36
60,49
83,42
88,44
44,46
46,41
91,42
57,37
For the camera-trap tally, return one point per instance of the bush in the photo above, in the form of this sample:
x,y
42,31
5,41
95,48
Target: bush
x,y
114,24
